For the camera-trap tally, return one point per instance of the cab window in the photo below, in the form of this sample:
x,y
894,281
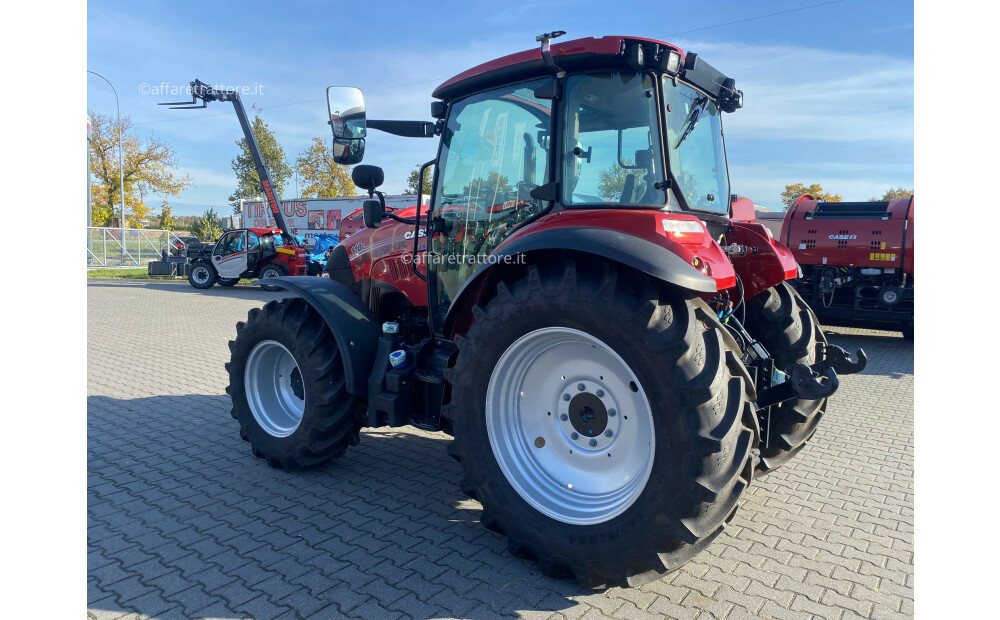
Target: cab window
x,y
230,243
611,146
495,150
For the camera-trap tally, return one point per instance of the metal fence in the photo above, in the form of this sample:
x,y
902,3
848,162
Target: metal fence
x,y
131,247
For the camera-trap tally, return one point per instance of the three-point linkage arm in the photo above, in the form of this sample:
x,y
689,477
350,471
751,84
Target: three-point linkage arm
x,y
204,93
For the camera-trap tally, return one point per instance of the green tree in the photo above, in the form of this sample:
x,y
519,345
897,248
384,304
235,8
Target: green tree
x,y
796,190
414,179
148,167
208,227
166,221
893,193
247,181
611,181
323,178
494,183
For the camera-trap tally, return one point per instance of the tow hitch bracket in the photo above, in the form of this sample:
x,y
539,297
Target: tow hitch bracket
x,y
800,382
841,361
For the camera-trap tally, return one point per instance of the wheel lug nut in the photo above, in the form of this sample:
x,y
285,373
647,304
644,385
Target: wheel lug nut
x,y
593,443
609,433
600,393
574,436
565,396
563,417
581,386
612,412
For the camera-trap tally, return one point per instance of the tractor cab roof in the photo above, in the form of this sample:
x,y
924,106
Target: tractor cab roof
x,y
591,53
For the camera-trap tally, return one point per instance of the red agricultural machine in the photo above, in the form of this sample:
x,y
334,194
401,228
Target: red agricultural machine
x,y
616,354
243,252
856,259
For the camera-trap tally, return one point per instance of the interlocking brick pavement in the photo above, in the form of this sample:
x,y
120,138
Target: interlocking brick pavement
x,y
183,521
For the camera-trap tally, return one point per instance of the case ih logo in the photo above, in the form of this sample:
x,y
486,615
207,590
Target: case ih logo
x,y
842,237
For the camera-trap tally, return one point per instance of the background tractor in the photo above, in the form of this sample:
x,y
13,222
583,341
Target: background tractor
x,y
611,341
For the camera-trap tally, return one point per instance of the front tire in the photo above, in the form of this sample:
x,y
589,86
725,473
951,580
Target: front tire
x,y
286,381
272,270
202,275
228,281
656,355
787,327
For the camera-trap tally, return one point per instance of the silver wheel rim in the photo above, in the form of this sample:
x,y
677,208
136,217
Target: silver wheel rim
x,y
274,388
889,297
269,273
200,275
559,460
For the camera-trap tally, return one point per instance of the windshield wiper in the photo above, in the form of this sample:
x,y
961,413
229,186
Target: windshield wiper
x,y
692,119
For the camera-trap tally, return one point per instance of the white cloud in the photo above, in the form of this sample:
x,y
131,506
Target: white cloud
x,y
800,93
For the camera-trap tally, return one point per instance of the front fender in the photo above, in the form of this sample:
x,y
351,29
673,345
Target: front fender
x,y
351,322
772,263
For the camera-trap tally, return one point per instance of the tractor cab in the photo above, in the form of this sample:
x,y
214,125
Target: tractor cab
x,y
593,124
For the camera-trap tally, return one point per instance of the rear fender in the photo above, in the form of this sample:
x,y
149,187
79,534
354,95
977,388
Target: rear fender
x,y
772,263
351,322
635,252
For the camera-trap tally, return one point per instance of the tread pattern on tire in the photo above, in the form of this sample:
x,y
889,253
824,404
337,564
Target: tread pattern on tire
x,y
332,419
787,327
709,380
212,275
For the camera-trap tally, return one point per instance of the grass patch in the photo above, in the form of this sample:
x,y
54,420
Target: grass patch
x,y
133,273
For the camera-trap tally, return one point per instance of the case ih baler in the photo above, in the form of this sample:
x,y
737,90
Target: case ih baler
x,y
856,259
616,355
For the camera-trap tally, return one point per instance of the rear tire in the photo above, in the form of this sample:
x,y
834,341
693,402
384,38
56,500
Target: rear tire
x,y
286,381
228,281
787,327
675,358
202,275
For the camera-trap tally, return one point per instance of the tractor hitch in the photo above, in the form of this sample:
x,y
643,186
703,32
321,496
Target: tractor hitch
x,y
800,382
841,361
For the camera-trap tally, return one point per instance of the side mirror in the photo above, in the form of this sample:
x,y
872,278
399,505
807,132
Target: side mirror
x,y
347,152
372,213
346,106
368,178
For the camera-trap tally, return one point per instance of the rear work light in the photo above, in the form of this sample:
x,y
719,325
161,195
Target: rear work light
x,y
671,63
684,231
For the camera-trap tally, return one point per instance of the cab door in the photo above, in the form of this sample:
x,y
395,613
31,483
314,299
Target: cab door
x,y
230,255
494,151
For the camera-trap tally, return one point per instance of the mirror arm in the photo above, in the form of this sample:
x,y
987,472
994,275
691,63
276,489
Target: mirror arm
x,y
406,129
404,220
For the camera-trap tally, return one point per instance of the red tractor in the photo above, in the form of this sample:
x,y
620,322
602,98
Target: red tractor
x,y
244,252
857,260
615,354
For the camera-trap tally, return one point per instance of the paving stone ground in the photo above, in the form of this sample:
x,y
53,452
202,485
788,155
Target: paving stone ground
x,y
183,521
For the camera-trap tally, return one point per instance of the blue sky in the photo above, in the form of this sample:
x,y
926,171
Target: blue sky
x,y
829,89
